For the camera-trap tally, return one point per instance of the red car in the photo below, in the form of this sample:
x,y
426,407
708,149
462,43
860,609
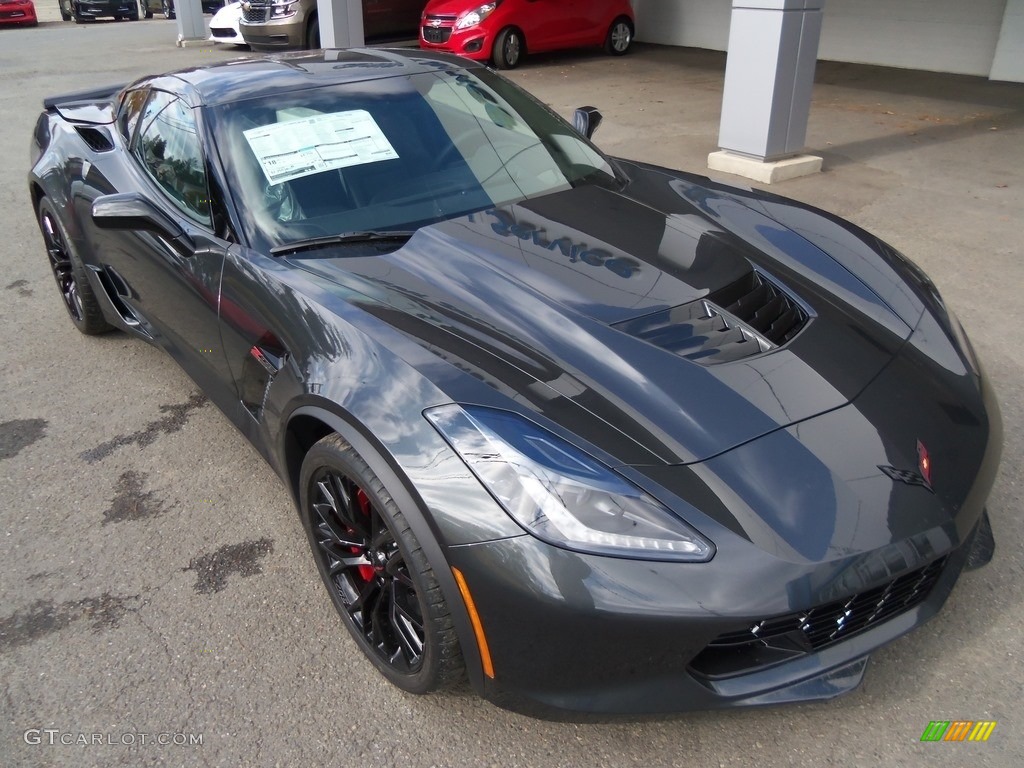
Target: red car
x,y
18,12
502,31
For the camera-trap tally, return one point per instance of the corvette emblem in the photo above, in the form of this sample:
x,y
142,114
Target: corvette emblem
x,y
435,22
922,476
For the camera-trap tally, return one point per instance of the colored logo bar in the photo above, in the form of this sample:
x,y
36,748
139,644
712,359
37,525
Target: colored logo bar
x,y
958,730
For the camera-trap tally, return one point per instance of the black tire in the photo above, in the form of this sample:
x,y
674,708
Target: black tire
x,y
167,9
313,33
376,572
65,15
147,12
70,274
509,48
620,37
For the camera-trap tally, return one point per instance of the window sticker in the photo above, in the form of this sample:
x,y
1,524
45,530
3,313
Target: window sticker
x,y
308,145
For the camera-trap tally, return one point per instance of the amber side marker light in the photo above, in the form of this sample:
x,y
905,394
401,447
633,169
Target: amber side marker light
x,y
474,617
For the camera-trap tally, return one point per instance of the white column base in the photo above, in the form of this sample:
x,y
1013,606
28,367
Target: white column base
x,y
767,172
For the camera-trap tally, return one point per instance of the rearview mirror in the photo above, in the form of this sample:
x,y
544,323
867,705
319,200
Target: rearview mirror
x,y
586,120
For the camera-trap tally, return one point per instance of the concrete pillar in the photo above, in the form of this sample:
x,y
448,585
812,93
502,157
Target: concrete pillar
x,y
191,27
1008,63
341,23
769,76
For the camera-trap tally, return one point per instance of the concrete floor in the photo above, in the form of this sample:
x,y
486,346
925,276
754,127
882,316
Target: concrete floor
x,y
154,577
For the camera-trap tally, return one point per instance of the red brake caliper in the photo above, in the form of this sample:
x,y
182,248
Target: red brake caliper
x,y
366,571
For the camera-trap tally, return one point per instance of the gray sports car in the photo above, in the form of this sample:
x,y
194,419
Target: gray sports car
x,y
601,436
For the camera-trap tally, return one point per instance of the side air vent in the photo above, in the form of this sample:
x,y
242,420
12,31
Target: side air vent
x,y
746,318
97,138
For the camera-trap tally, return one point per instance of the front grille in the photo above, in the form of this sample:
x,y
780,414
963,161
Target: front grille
x,y
746,318
773,640
255,14
437,34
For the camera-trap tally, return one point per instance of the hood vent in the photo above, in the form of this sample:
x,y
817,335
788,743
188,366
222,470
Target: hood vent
x,y
746,318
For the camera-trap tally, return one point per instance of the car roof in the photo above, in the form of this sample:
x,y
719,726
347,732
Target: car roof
x,y
257,77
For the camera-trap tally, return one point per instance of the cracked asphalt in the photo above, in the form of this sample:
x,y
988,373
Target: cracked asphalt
x,y
154,578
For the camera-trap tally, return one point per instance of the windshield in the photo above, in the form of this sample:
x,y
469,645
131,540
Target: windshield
x,y
394,154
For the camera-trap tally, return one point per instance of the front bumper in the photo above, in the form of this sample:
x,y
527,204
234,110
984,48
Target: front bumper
x,y
10,14
573,634
226,35
473,43
88,10
276,35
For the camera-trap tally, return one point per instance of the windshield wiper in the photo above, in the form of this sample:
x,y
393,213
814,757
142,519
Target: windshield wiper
x,y
346,238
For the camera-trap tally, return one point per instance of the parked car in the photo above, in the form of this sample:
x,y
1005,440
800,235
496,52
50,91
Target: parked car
x,y
18,13
503,31
224,25
90,10
603,436
282,24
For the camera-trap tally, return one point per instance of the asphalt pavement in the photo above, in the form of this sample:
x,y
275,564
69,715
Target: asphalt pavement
x,y
155,583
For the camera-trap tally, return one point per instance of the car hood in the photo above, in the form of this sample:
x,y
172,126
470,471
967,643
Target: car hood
x,y
450,7
555,298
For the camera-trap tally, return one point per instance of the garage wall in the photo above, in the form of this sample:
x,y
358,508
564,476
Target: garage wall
x,y
692,23
940,35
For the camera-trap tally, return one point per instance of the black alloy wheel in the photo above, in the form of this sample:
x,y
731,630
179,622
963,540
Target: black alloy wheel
x,y
508,49
376,572
69,274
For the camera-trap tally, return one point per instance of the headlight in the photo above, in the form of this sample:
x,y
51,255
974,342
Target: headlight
x,y
282,9
561,494
474,17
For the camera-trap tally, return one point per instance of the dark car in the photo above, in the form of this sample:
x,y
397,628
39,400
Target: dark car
x,y
90,10
604,436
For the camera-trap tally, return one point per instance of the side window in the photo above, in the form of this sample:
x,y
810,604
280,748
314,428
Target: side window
x,y
169,149
131,109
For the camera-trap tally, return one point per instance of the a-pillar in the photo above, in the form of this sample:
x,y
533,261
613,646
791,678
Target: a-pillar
x,y
769,76
341,23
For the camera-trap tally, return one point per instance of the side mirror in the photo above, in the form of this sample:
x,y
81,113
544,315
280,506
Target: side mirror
x,y
130,210
586,120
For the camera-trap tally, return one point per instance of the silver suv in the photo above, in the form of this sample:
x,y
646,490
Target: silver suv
x,y
274,24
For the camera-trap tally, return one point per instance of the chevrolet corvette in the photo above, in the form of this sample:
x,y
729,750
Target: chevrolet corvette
x,y
599,436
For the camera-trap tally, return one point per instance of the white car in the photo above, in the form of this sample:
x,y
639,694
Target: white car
x,y
224,25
